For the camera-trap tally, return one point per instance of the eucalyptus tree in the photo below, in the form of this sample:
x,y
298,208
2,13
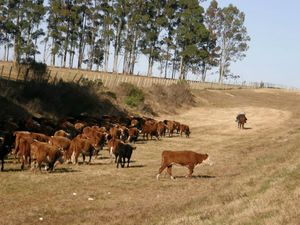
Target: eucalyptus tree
x,y
54,26
32,18
27,17
232,38
106,32
190,35
7,27
84,13
153,24
119,22
135,15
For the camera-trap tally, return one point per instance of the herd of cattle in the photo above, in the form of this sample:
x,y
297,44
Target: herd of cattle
x,y
38,141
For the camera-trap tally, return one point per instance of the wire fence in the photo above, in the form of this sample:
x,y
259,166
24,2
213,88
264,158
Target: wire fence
x,y
112,80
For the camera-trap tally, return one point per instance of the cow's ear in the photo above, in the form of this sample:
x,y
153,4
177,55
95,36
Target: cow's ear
x,y
134,147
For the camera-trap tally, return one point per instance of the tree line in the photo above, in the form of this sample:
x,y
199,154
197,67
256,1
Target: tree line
x,y
177,35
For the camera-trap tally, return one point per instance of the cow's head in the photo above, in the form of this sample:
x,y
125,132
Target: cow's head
x,y
207,160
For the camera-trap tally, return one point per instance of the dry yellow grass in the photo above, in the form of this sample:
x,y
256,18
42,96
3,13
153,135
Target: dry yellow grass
x,y
255,178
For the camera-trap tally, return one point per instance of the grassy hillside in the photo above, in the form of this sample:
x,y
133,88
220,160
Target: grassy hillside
x,y
255,178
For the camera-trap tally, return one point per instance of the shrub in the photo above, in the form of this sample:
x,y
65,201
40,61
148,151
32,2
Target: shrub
x,y
133,95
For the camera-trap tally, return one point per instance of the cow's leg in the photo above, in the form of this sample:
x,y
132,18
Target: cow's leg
x,y
76,157
169,171
163,166
123,161
22,162
2,164
40,166
119,162
83,158
128,160
191,170
90,158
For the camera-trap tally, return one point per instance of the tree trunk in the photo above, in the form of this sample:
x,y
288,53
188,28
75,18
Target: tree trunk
x,y
81,44
91,55
133,54
117,46
53,54
181,69
125,62
17,40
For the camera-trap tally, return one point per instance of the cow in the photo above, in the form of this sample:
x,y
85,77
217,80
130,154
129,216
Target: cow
x,y
44,152
61,142
184,158
115,132
125,152
161,129
21,134
171,126
6,143
24,151
79,145
177,126
241,119
133,134
184,129
62,133
113,147
150,127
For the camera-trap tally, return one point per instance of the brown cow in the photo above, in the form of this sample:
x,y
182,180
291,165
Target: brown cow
x,y
133,134
184,158
177,126
171,126
79,145
113,147
62,133
161,129
21,134
241,119
25,150
150,127
44,152
61,142
185,129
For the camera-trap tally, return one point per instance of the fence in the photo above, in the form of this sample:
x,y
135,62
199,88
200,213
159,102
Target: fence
x,y
112,80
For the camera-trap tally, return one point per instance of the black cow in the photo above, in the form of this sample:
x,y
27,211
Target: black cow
x,y
5,146
125,151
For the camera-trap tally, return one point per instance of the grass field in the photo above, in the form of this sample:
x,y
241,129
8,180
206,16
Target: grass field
x,y
255,178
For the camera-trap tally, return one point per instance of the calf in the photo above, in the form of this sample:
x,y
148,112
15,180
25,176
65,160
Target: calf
x,y
184,158
133,134
241,119
185,129
125,152
44,152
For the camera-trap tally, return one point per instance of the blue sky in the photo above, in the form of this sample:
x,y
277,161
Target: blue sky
x,y
274,53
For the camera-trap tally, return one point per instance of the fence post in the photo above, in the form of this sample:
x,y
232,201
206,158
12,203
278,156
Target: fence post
x,y
19,70
10,73
2,71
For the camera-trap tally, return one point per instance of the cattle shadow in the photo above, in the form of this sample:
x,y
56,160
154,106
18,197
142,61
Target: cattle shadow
x,y
137,166
247,128
197,177
7,170
65,170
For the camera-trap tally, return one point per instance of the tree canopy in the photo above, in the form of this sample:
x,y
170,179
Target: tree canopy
x,y
177,35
